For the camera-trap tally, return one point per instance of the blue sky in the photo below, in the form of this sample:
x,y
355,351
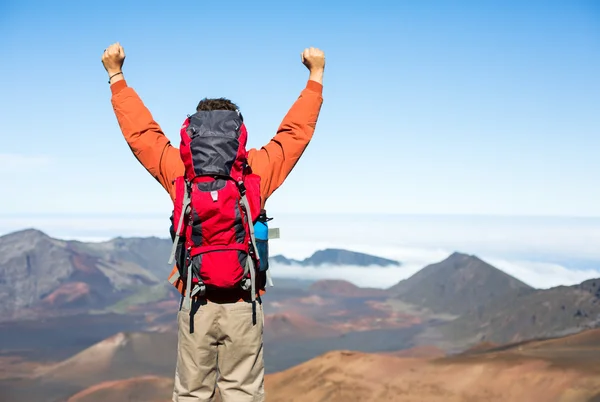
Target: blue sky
x,y
430,107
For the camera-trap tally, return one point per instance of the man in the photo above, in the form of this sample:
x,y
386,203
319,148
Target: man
x,y
225,347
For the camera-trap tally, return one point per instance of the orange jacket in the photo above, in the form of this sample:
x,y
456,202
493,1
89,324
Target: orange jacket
x,y
273,162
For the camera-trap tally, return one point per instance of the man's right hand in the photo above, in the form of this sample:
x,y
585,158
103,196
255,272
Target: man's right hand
x,y
113,59
314,60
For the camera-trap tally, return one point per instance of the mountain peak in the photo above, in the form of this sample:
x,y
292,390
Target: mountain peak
x,y
459,283
458,260
459,255
29,233
20,244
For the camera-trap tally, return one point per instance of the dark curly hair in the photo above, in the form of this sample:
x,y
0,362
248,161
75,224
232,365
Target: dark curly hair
x,y
216,104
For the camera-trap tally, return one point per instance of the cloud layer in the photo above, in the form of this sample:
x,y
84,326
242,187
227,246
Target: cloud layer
x,y
542,252
537,274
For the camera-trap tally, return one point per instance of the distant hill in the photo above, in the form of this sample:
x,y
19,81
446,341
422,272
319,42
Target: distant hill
x,y
151,253
458,284
542,313
41,275
332,256
102,367
123,355
37,271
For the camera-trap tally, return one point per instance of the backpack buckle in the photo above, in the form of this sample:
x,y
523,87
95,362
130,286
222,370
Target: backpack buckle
x,y
263,216
199,290
246,283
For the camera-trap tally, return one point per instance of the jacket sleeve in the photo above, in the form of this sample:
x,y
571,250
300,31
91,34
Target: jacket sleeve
x,y
274,161
145,137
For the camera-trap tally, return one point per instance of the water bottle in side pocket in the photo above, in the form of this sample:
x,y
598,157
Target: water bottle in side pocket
x,y
261,233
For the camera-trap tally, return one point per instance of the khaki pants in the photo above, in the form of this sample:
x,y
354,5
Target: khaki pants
x,y
225,349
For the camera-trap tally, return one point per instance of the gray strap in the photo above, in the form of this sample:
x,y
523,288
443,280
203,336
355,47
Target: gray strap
x,y
174,278
249,262
187,301
269,279
253,279
250,224
184,211
250,267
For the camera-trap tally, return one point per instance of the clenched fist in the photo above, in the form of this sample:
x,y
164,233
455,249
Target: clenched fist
x,y
313,59
113,58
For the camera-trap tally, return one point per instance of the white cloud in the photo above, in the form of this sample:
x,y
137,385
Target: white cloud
x,y
376,277
540,275
417,242
412,259
544,275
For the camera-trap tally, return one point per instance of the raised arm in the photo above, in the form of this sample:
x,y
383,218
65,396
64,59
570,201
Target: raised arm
x,y
274,161
143,135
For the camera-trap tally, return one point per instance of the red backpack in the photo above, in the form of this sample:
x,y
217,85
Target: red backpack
x,y
216,205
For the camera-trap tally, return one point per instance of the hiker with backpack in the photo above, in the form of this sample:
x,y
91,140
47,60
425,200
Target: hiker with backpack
x,y
219,225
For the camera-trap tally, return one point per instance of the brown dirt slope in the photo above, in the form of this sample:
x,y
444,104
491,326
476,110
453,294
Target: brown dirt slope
x,y
554,370
428,352
557,370
139,389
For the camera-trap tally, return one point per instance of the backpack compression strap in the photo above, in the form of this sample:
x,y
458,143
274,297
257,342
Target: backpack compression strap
x,y
184,212
187,301
249,263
